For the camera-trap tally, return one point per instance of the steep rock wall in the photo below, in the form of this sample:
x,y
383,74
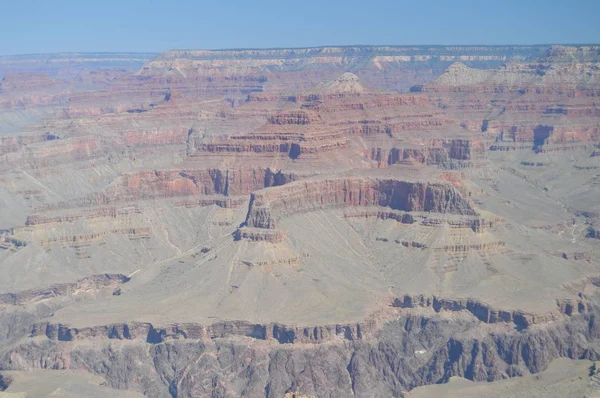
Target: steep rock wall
x,y
408,352
268,205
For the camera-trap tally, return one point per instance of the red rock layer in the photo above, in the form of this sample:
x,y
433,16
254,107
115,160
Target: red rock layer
x,y
269,205
170,183
53,152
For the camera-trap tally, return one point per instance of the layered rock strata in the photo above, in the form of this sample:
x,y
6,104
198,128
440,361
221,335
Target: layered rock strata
x,y
269,205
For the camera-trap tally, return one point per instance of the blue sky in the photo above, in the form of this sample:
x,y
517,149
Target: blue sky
x,y
37,26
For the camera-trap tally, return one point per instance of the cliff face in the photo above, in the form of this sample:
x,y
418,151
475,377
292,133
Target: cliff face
x,y
408,352
450,154
167,183
267,206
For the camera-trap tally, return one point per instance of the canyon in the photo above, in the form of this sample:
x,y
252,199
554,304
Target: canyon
x,y
362,221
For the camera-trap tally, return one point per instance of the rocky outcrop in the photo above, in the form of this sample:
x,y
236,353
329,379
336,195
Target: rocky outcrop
x,y
543,134
91,284
259,235
146,332
83,239
577,256
340,102
347,83
220,201
103,212
249,146
269,205
488,314
404,218
475,223
294,118
593,232
483,248
53,151
170,183
449,154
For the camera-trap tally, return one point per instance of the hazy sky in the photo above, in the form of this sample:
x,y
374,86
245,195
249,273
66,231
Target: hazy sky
x,y
38,26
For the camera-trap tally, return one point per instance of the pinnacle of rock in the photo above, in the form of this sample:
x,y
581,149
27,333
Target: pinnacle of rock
x,y
347,83
348,77
459,73
457,67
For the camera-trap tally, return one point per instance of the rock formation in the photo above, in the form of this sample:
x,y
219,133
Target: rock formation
x,y
338,221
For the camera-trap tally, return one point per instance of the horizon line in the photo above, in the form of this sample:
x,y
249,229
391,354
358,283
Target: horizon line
x,y
299,48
